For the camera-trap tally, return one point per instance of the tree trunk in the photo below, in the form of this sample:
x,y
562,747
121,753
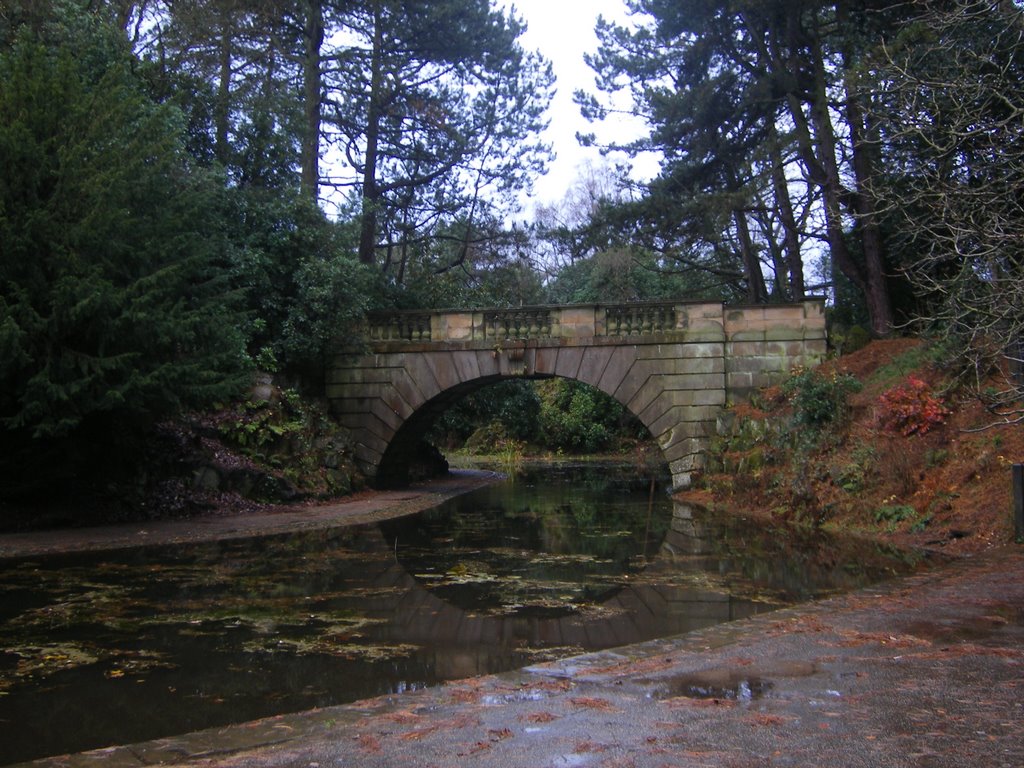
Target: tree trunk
x,y
819,156
222,108
371,193
757,293
312,105
864,168
784,206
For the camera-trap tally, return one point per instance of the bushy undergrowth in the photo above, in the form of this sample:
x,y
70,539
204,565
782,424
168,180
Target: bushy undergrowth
x,y
291,436
818,452
819,398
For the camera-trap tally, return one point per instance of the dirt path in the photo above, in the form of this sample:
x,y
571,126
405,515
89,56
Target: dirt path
x,y
365,508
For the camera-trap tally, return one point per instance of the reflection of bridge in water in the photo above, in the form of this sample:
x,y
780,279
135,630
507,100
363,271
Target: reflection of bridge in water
x,y
674,365
677,592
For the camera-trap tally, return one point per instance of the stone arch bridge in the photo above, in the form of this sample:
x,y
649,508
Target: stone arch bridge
x,y
674,365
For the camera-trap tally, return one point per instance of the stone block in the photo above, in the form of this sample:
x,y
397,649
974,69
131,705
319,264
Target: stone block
x,y
693,380
379,371
353,404
451,326
443,369
635,378
737,349
694,365
710,334
394,401
747,335
682,350
577,322
775,333
409,390
786,314
569,359
386,414
675,447
696,421
644,396
738,381
545,359
712,310
368,457
419,370
682,480
757,364
714,397
618,367
592,366
487,363
662,417
467,368
815,348
814,308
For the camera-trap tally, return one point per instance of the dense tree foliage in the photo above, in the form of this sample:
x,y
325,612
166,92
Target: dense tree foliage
x,y
162,206
866,126
113,301
551,414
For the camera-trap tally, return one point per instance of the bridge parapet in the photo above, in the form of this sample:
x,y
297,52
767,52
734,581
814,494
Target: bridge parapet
x,y
674,365
546,322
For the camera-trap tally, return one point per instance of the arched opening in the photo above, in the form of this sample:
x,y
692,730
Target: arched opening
x,y
545,414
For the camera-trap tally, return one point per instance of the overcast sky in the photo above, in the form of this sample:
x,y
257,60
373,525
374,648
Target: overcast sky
x,y
563,30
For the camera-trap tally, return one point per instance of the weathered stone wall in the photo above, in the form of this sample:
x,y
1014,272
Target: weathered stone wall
x,y
765,342
673,365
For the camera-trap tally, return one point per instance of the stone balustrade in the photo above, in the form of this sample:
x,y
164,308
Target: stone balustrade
x,y
540,322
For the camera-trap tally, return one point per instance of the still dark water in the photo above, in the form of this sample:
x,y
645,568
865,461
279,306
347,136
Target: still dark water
x,y
126,646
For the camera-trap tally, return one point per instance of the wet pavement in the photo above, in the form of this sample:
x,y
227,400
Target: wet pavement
x,y
925,672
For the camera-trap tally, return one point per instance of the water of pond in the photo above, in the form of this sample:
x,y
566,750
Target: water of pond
x,y
124,646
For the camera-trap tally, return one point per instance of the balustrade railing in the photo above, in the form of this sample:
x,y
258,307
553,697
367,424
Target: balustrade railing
x,y
523,323
400,326
639,319
529,323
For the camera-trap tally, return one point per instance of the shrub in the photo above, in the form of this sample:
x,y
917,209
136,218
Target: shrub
x,y
895,514
911,408
817,398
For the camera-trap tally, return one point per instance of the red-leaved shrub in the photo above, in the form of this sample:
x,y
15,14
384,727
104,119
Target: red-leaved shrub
x,y
910,408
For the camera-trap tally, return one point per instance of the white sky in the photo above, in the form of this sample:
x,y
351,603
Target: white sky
x,y
563,30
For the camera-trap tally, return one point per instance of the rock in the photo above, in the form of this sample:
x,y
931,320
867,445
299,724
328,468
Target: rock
x,y
206,479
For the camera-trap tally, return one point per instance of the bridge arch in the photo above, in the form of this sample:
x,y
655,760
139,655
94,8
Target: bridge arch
x,y
673,365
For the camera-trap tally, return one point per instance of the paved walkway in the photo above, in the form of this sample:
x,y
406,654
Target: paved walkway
x,y
924,672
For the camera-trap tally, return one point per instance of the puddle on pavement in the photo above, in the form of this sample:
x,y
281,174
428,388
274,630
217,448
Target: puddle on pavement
x,y
977,629
739,684
120,647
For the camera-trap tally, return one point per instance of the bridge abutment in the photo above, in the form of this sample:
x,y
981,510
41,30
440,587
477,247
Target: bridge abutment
x,y
674,365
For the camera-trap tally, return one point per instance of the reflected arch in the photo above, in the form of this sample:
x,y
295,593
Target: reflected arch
x,y
651,606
